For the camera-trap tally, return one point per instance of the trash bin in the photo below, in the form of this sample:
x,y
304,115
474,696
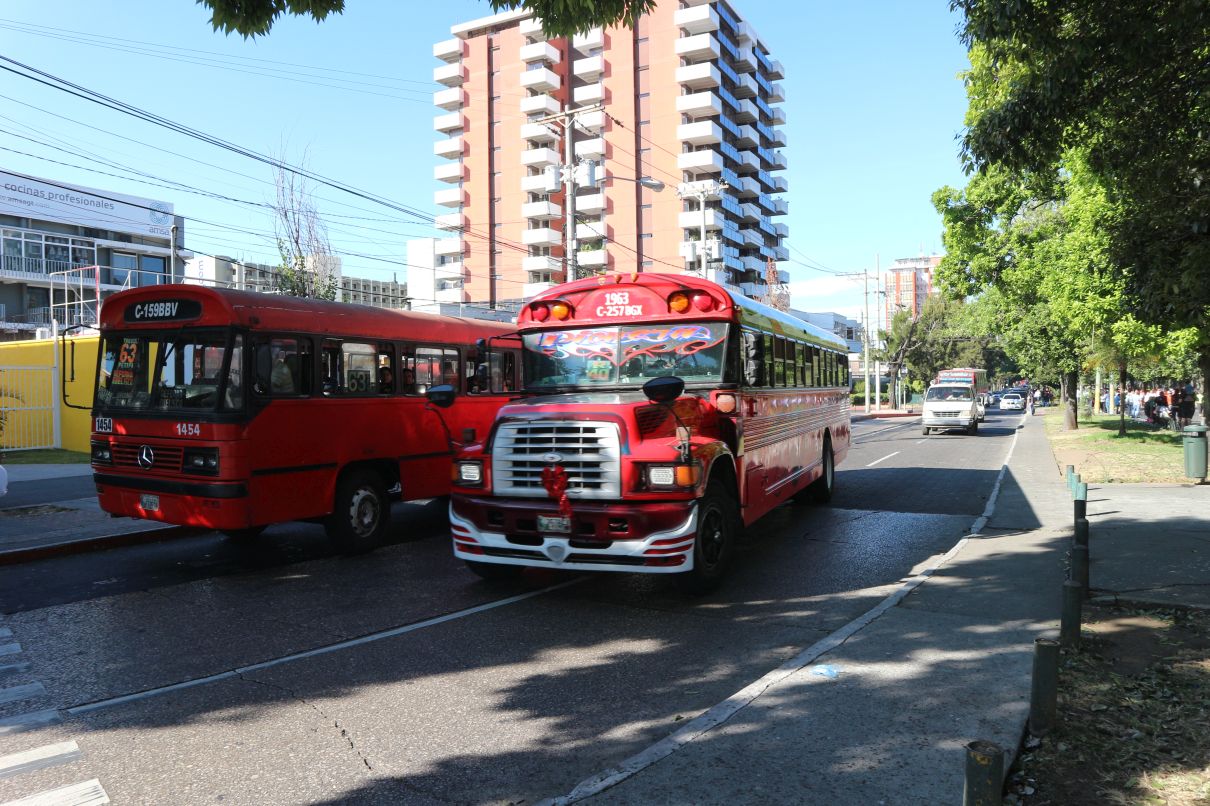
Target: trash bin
x,y
1195,451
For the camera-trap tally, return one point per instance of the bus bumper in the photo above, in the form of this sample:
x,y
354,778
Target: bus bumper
x,y
658,537
213,505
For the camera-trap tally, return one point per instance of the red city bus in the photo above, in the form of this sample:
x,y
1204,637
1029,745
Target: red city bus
x,y
663,415
232,410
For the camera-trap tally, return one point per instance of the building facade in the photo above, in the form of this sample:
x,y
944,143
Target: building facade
x,y
907,284
62,245
690,94
233,273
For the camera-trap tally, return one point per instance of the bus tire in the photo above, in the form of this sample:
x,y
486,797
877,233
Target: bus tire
x,y
243,535
927,430
820,490
360,513
973,429
494,572
717,519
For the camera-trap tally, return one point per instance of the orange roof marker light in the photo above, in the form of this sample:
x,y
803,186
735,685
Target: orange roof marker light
x,y
678,302
560,310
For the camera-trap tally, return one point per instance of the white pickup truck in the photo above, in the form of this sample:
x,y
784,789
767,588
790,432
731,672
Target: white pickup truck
x,y
950,404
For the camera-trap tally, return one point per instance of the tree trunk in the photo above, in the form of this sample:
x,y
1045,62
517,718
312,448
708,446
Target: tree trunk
x,y
1071,381
1122,398
1203,363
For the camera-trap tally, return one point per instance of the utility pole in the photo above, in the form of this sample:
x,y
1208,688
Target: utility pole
x,y
878,304
567,120
702,191
865,363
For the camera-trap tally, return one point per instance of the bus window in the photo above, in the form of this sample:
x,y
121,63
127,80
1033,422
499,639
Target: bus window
x,y
753,361
770,378
350,368
816,367
283,367
386,369
435,366
233,395
503,373
407,372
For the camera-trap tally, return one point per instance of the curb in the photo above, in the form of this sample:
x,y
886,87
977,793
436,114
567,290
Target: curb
x,y
101,543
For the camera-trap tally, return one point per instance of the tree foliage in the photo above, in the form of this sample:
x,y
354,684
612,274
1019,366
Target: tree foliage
x,y
559,17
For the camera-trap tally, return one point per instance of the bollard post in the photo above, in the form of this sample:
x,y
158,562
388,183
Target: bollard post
x,y
1044,688
1075,482
1081,535
984,784
1080,494
1079,567
1069,625
1071,471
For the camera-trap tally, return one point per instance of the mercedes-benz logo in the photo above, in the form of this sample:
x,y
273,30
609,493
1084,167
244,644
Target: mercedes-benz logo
x,y
552,458
146,457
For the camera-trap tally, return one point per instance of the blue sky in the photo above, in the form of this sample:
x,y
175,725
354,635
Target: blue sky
x,y
873,107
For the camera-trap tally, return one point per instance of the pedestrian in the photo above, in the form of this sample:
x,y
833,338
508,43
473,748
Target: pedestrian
x,y
1188,402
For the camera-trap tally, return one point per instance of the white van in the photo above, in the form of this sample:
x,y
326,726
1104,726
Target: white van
x,y
951,405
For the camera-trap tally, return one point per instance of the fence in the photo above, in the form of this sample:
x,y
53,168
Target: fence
x,y
29,408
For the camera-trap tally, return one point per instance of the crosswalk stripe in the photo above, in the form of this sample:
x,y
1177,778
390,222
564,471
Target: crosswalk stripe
x,y
14,693
34,719
88,793
5,632
39,758
10,649
14,668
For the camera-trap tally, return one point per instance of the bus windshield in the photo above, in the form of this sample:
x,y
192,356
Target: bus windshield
x,y
170,372
624,355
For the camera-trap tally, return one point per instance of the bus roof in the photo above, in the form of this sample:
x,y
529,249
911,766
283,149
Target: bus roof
x,y
153,307
596,301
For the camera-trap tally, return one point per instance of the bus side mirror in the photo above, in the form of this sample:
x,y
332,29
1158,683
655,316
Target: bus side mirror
x,y
664,390
441,396
481,344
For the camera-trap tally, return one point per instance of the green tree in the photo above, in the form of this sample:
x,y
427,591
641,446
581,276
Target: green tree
x,y
1126,82
559,17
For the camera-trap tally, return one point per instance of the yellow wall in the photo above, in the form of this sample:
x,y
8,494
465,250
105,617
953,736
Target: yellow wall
x,y
23,427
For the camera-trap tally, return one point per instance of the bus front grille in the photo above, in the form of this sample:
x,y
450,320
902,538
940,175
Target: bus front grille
x,y
589,452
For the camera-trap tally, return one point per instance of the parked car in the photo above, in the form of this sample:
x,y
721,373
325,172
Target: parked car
x,y
1012,400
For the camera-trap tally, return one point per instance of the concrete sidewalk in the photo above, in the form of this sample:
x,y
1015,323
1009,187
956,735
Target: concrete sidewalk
x,y
882,714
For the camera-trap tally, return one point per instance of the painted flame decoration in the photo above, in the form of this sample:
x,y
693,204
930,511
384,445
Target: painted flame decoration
x,y
554,479
604,342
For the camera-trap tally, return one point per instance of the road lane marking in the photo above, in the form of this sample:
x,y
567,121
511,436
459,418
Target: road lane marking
x,y
883,459
919,441
718,714
313,653
14,668
88,793
25,692
10,649
34,719
857,439
39,758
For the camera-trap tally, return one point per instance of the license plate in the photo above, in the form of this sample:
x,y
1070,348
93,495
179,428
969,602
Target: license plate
x,y
150,503
554,524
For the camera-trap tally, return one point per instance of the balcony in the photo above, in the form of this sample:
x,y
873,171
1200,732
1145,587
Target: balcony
x,y
542,236
701,76
451,75
589,94
591,203
777,95
749,213
541,263
746,63
780,185
778,138
542,79
540,52
450,147
531,28
593,121
448,246
702,47
451,50
450,197
539,184
540,157
692,219
451,99
747,112
448,123
748,162
778,163
781,253
747,138
782,230
452,295
779,207
588,41
748,186
591,230
706,161
743,33
592,258
700,133
450,172
594,147
779,116
699,105
449,221
775,69
753,290
541,210
539,105
589,69
696,19
539,132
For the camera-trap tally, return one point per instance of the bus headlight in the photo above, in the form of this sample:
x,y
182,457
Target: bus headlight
x,y
200,460
468,474
101,454
670,477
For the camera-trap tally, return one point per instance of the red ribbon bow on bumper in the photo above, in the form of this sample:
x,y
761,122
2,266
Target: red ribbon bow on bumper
x,y
554,479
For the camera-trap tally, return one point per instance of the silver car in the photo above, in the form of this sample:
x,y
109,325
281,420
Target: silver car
x,y
1012,400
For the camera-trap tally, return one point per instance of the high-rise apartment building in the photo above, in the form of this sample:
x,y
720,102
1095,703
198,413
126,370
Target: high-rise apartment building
x,y
690,94
907,283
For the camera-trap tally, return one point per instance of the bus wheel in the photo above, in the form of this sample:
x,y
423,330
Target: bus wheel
x,y
494,572
243,535
361,513
927,430
715,543
820,490
974,428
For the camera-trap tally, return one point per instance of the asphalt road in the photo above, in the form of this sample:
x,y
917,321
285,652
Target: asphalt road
x,y
399,677
45,491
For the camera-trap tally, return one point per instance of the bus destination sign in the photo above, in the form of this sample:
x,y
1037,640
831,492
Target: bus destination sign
x,y
163,310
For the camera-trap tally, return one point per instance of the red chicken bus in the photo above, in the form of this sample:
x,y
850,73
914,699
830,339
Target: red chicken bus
x,y
232,410
662,415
